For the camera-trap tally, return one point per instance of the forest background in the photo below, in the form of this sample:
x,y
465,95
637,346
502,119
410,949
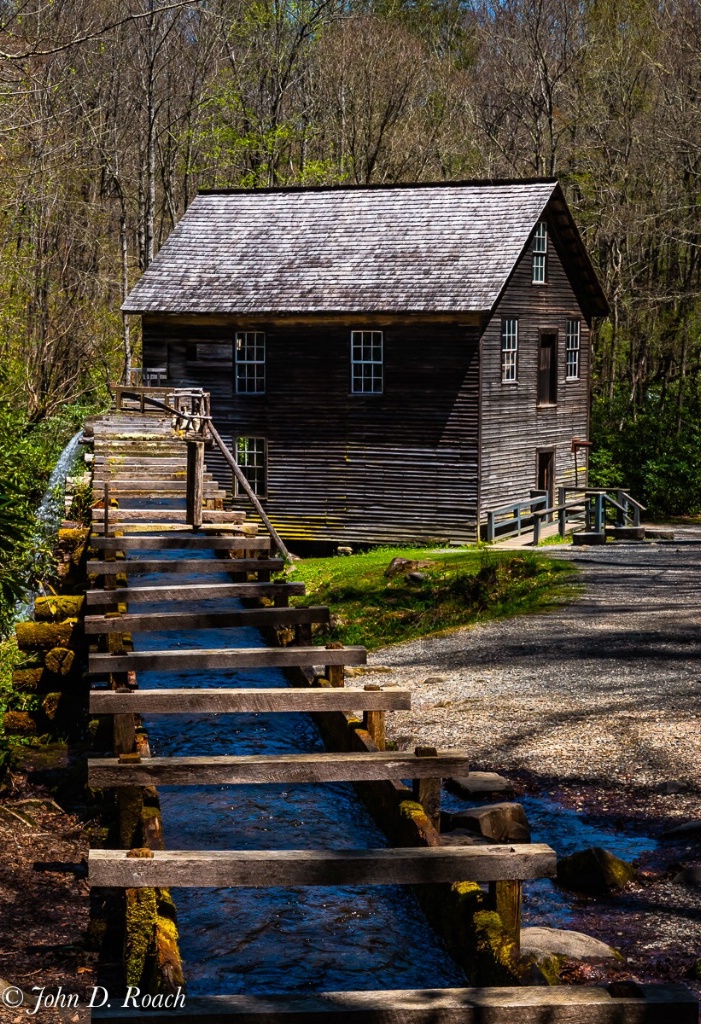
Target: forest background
x,y
114,112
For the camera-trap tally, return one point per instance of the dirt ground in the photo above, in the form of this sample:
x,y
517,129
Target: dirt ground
x,y
44,896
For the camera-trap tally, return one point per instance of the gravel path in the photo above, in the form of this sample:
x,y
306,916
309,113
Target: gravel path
x,y
605,689
597,704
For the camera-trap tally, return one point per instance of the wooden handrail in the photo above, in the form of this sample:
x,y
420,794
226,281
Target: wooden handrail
x,y
248,490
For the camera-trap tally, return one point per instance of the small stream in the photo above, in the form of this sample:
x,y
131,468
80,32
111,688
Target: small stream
x,y
261,941
277,940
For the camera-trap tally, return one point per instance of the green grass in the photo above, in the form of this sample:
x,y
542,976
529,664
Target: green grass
x,y
462,586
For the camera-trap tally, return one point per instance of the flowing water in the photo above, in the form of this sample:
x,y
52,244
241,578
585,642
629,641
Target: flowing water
x,y
544,903
306,939
51,510
277,940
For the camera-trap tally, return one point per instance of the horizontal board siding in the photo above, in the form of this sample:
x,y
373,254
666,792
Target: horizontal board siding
x,y
513,428
342,467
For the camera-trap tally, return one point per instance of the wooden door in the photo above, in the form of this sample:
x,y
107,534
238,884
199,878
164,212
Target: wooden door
x,y
546,474
547,369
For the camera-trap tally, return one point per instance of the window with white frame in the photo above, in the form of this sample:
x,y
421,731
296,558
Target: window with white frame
x,y
250,362
572,349
252,457
509,350
366,363
540,252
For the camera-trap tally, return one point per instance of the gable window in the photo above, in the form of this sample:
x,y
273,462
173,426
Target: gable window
x,y
252,457
540,252
572,349
250,362
509,350
366,363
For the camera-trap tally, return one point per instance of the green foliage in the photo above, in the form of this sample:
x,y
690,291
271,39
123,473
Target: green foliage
x,y
460,586
654,448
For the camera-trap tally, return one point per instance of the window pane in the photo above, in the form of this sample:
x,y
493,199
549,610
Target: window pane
x,y
250,362
366,362
540,239
509,350
572,347
538,268
251,457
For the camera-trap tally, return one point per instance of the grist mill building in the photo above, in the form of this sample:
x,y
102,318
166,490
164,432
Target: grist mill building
x,y
387,362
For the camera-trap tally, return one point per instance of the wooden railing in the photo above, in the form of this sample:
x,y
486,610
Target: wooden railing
x,y
191,412
513,519
590,509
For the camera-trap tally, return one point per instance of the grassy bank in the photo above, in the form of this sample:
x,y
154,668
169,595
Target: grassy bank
x,y
452,588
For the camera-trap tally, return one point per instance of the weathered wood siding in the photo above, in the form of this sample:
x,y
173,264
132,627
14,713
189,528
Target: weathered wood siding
x,y
342,467
513,428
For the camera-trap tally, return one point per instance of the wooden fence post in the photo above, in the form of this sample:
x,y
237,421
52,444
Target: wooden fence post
x,y
374,722
428,791
195,483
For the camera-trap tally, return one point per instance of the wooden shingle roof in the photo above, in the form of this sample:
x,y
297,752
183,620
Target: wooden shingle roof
x,y
418,248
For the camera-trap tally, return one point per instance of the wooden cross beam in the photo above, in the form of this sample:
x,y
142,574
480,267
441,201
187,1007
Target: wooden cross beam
x,y
271,868
220,701
225,657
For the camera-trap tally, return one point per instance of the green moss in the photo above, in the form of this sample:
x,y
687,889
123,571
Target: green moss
x,y
141,912
459,586
495,951
56,608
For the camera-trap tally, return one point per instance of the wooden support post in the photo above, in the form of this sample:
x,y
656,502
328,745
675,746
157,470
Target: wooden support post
x,y
507,898
428,791
491,530
374,721
195,483
303,634
106,529
536,529
336,674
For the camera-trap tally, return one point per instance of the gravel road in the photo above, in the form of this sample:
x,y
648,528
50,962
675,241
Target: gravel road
x,y
607,688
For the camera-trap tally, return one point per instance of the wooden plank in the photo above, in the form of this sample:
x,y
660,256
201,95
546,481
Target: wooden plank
x,y
148,622
189,592
123,515
193,566
221,701
211,529
225,657
563,1004
263,769
195,482
185,543
261,869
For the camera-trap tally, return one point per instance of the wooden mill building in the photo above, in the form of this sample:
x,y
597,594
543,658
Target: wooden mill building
x,y
387,362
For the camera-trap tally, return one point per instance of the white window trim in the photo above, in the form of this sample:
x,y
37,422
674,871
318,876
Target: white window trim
x,y
573,348
514,348
243,467
357,382
250,362
540,254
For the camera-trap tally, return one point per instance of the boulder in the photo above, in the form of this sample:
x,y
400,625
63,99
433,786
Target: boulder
x,y
416,577
688,830
561,942
500,823
19,723
595,871
398,566
690,877
343,550
481,784
435,679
